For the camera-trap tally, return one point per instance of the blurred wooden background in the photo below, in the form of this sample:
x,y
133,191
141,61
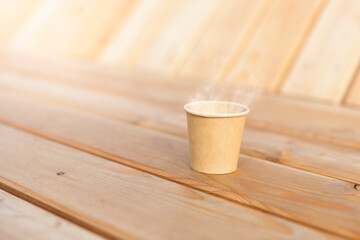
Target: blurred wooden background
x,y
303,48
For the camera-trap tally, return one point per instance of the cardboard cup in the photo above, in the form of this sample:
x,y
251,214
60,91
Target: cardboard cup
x,y
215,131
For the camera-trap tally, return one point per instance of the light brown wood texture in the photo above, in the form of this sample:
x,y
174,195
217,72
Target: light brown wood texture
x,y
274,45
124,202
132,38
330,56
281,115
353,96
318,201
22,220
308,154
225,34
183,28
327,123
105,148
12,15
72,29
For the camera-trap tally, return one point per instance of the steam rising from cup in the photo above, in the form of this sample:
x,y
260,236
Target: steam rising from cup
x,y
229,92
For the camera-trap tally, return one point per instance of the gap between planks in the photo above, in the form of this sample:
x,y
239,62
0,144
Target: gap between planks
x,y
20,219
319,158
195,184
182,202
174,94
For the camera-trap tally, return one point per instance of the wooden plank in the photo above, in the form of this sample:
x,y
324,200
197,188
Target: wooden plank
x,y
73,29
12,16
315,200
330,124
273,47
336,161
330,56
225,34
132,38
88,75
112,106
277,114
353,96
183,28
124,202
22,220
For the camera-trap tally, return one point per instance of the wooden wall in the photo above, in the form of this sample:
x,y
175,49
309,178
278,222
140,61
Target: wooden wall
x,y
301,48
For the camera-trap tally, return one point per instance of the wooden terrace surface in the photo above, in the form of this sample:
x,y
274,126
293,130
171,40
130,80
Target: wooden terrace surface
x,y
93,138
75,143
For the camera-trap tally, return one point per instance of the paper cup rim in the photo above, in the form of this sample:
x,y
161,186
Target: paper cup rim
x,y
237,114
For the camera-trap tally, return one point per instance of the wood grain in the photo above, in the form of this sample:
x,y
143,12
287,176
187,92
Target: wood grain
x,y
353,96
72,29
225,34
183,28
327,159
12,15
274,45
318,201
277,114
117,50
22,220
330,56
132,38
330,124
124,202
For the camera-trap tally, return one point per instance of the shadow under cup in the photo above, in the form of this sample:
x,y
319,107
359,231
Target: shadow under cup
x,y
215,131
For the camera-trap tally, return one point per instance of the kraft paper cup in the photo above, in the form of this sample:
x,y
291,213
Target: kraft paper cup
x,y
215,131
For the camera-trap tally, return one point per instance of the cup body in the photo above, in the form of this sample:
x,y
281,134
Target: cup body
x,y
215,131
